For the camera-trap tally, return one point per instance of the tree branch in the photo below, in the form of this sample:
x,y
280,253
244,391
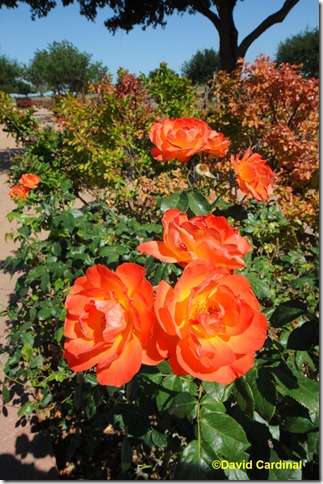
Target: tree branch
x,y
201,8
275,18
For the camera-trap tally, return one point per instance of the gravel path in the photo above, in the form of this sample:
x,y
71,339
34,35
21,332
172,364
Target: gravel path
x,y
25,453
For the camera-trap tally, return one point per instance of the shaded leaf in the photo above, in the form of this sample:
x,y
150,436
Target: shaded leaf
x,y
295,384
195,462
264,391
184,405
304,337
287,312
198,204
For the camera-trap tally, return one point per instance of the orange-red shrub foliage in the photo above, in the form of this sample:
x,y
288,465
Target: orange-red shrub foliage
x,y
276,111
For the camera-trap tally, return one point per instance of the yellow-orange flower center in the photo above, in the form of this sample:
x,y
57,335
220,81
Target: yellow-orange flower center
x,y
205,320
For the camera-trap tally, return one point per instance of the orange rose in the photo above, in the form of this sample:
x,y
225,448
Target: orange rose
x,y
109,323
201,237
29,180
18,191
178,138
217,144
210,323
253,175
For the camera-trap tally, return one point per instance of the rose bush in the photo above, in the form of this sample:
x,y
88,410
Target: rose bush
x,y
109,323
211,324
172,419
201,237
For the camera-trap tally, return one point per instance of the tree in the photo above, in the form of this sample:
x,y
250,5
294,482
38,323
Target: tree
x,y
36,72
129,13
62,67
202,66
302,48
11,77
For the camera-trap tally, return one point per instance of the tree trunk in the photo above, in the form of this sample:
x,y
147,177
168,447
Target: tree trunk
x,y
223,21
228,36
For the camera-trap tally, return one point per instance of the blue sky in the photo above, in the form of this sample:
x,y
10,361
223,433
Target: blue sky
x,y
142,51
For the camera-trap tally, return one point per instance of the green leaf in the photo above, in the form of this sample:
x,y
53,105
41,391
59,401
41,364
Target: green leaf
x,y
161,273
302,281
170,386
294,384
210,404
68,221
46,400
26,409
90,408
244,396
76,213
226,437
198,204
157,438
56,249
195,463
219,392
178,200
27,338
5,394
298,425
276,474
259,287
287,312
180,384
36,362
44,281
264,392
27,351
91,379
184,405
44,313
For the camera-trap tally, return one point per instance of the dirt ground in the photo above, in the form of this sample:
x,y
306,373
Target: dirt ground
x,y
25,454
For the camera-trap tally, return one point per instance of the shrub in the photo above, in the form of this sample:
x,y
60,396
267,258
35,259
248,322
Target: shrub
x,y
24,103
275,110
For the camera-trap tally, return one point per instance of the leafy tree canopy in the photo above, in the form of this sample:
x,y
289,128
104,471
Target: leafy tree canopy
x,y
11,77
129,13
202,66
302,48
62,67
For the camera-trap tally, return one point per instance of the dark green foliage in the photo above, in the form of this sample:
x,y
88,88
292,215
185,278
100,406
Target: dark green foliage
x,y
302,48
202,66
11,77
